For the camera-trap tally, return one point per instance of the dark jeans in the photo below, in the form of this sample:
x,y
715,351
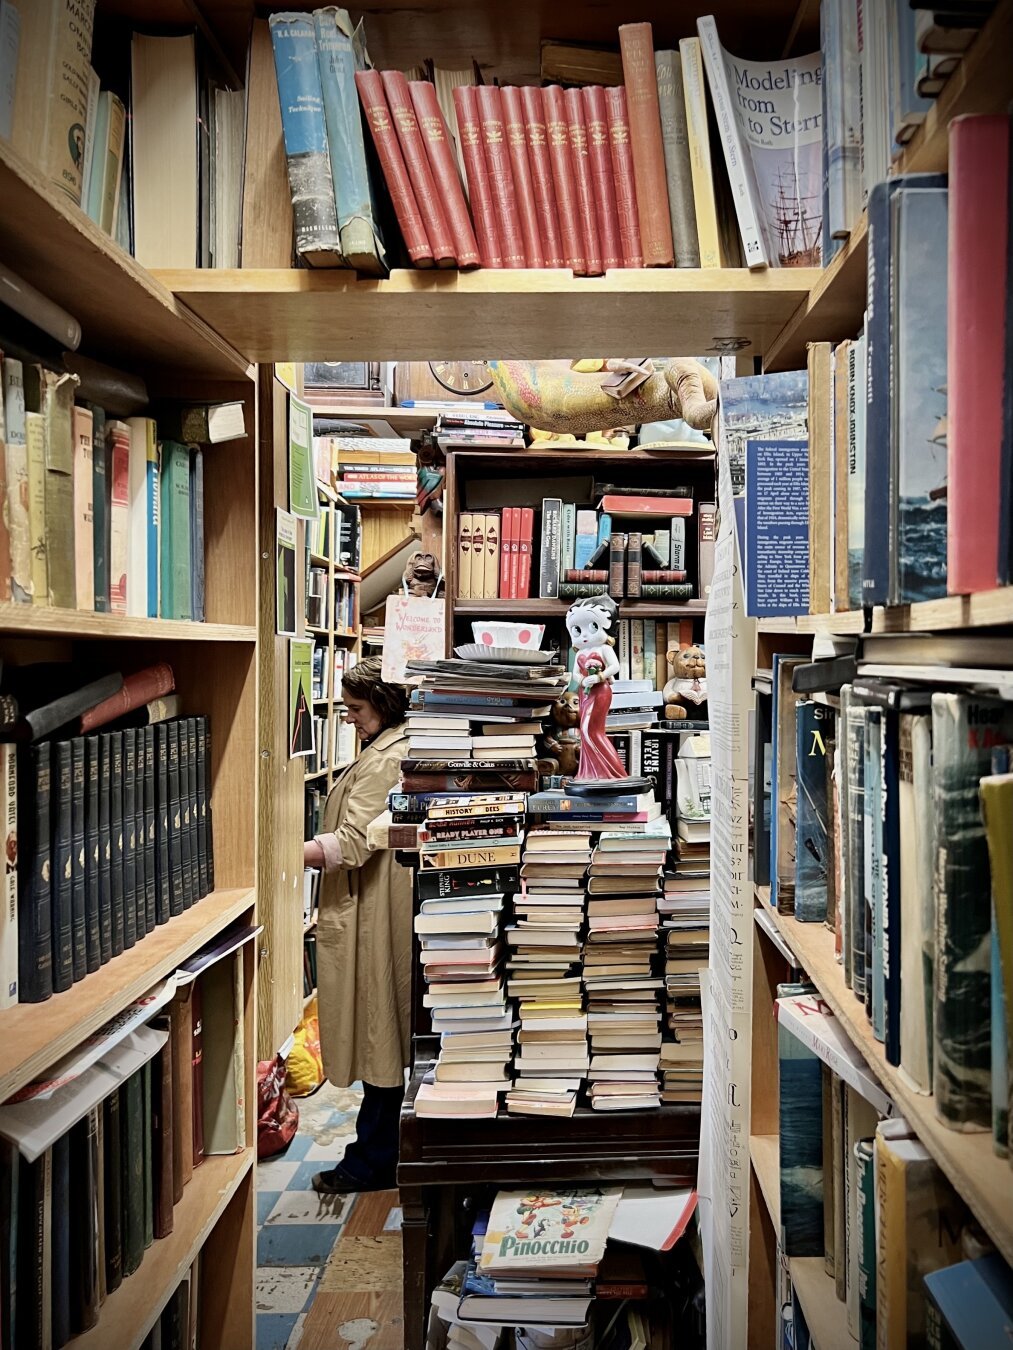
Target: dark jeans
x,y
372,1155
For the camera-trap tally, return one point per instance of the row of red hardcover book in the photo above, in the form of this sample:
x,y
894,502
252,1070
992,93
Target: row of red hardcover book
x,y
549,170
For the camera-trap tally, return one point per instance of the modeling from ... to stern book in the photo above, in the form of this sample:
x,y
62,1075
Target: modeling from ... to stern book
x,y
589,623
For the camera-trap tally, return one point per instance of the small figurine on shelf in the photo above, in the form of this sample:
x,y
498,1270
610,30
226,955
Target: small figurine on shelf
x,y
562,740
685,694
589,623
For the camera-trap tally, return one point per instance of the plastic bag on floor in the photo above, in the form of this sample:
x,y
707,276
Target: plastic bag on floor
x,y
277,1113
305,1061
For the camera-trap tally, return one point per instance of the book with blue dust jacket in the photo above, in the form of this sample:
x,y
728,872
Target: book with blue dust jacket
x,y
775,558
970,1305
800,1140
814,727
761,407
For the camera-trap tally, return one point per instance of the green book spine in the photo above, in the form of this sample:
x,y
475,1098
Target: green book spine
x,y
84,1222
112,1136
132,1163
866,1238
176,595
147,1134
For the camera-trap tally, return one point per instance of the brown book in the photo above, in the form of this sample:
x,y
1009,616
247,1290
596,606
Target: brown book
x,y
557,131
617,566
573,63
413,151
267,227
527,208
622,176
162,1140
197,1071
142,687
501,177
182,1091
52,394
381,128
477,171
637,45
582,176
634,563
602,180
443,163
541,175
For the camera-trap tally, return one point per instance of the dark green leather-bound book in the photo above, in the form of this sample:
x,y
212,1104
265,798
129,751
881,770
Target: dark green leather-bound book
x,y
100,508
35,915
82,1201
34,1310
107,924
176,894
163,875
174,1318
186,857
96,932
176,589
68,937
193,806
59,1227
207,803
10,1171
147,736
202,806
112,1138
131,909
147,1136
163,1151
124,922
79,888
132,1164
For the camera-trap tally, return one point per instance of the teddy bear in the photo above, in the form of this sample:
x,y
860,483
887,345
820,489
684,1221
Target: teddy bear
x,y
562,740
685,694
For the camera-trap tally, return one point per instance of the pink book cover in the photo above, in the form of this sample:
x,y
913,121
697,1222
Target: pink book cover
x,y
119,515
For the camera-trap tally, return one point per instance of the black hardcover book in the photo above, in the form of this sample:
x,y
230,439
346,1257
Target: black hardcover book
x,y
68,937
174,1318
132,1162
163,879
893,933
207,805
202,805
147,736
124,920
43,721
147,1178
131,909
176,895
194,806
762,777
92,897
186,860
35,915
106,916
59,1243
9,1176
33,1258
113,1185
82,1200
162,1165
825,676
468,881
78,862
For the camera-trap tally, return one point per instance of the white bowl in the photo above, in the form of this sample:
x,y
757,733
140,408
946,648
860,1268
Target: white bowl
x,y
496,633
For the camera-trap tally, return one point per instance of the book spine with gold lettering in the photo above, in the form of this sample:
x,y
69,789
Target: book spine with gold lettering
x,y
501,176
477,171
524,190
381,127
622,175
541,174
443,163
420,175
637,46
603,183
557,131
582,177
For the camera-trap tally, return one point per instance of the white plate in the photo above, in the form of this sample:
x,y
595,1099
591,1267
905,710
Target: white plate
x,y
477,651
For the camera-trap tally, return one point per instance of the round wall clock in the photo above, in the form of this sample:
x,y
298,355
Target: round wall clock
x,y
462,377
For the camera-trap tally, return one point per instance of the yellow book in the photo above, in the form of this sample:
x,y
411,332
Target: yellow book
x,y
694,87
35,438
464,530
472,857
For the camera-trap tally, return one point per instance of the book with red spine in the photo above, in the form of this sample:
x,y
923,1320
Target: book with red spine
x,y
483,209
622,176
602,179
388,150
582,174
541,175
420,174
525,533
517,143
443,163
975,326
636,43
507,534
557,133
629,504
136,690
501,174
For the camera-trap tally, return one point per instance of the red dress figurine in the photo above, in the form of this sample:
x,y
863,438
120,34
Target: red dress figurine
x,y
589,623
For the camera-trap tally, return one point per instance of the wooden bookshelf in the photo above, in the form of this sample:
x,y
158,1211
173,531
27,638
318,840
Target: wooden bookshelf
x,y
533,607
986,609
75,623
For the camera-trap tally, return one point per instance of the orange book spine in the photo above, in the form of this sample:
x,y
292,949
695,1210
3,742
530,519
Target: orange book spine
x,y
541,174
517,143
602,180
420,175
622,176
381,128
557,131
636,42
582,176
501,177
444,167
477,171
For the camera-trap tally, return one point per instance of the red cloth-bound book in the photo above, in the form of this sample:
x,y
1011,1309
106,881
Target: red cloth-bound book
x,y
557,131
636,43
975,326
477,171
444,167
582,175
526,531
603,185
622,176
541,175
420,174
517,143
136,690
501,175
507,543
381,127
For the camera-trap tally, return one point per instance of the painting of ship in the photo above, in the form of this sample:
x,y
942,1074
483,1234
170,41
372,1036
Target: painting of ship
x,y
798,220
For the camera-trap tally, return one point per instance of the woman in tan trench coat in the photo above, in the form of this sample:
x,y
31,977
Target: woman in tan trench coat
x,y
364,937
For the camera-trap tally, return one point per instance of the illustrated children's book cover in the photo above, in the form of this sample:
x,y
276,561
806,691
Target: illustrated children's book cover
x,y
548,1230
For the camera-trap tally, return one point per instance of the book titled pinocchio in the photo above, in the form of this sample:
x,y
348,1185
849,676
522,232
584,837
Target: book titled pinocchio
x,y
548,1230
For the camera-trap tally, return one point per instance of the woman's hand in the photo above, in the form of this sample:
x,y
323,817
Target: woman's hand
x,y
312,853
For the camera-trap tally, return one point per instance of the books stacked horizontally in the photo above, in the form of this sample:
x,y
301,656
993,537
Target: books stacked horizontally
x,y
635,705
369,467
488,429
544,973
620,977
460,946
685,908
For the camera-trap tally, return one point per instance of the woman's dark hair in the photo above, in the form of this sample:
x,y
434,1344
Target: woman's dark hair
x,y
389,700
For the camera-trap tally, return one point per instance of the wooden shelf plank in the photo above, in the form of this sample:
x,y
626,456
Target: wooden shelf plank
x,y
764,1154
534,607
129,1313
42,621
383,503
409,422
983,1180
305,315
33,1036
986,609
126,316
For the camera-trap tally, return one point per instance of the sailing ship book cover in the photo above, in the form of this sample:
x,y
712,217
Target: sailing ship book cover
x,y
919,506
814,728
761,407
800,1139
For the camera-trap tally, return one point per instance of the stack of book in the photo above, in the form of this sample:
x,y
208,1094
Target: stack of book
x,y
685,908
368,467
544,973
488,429
634,707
